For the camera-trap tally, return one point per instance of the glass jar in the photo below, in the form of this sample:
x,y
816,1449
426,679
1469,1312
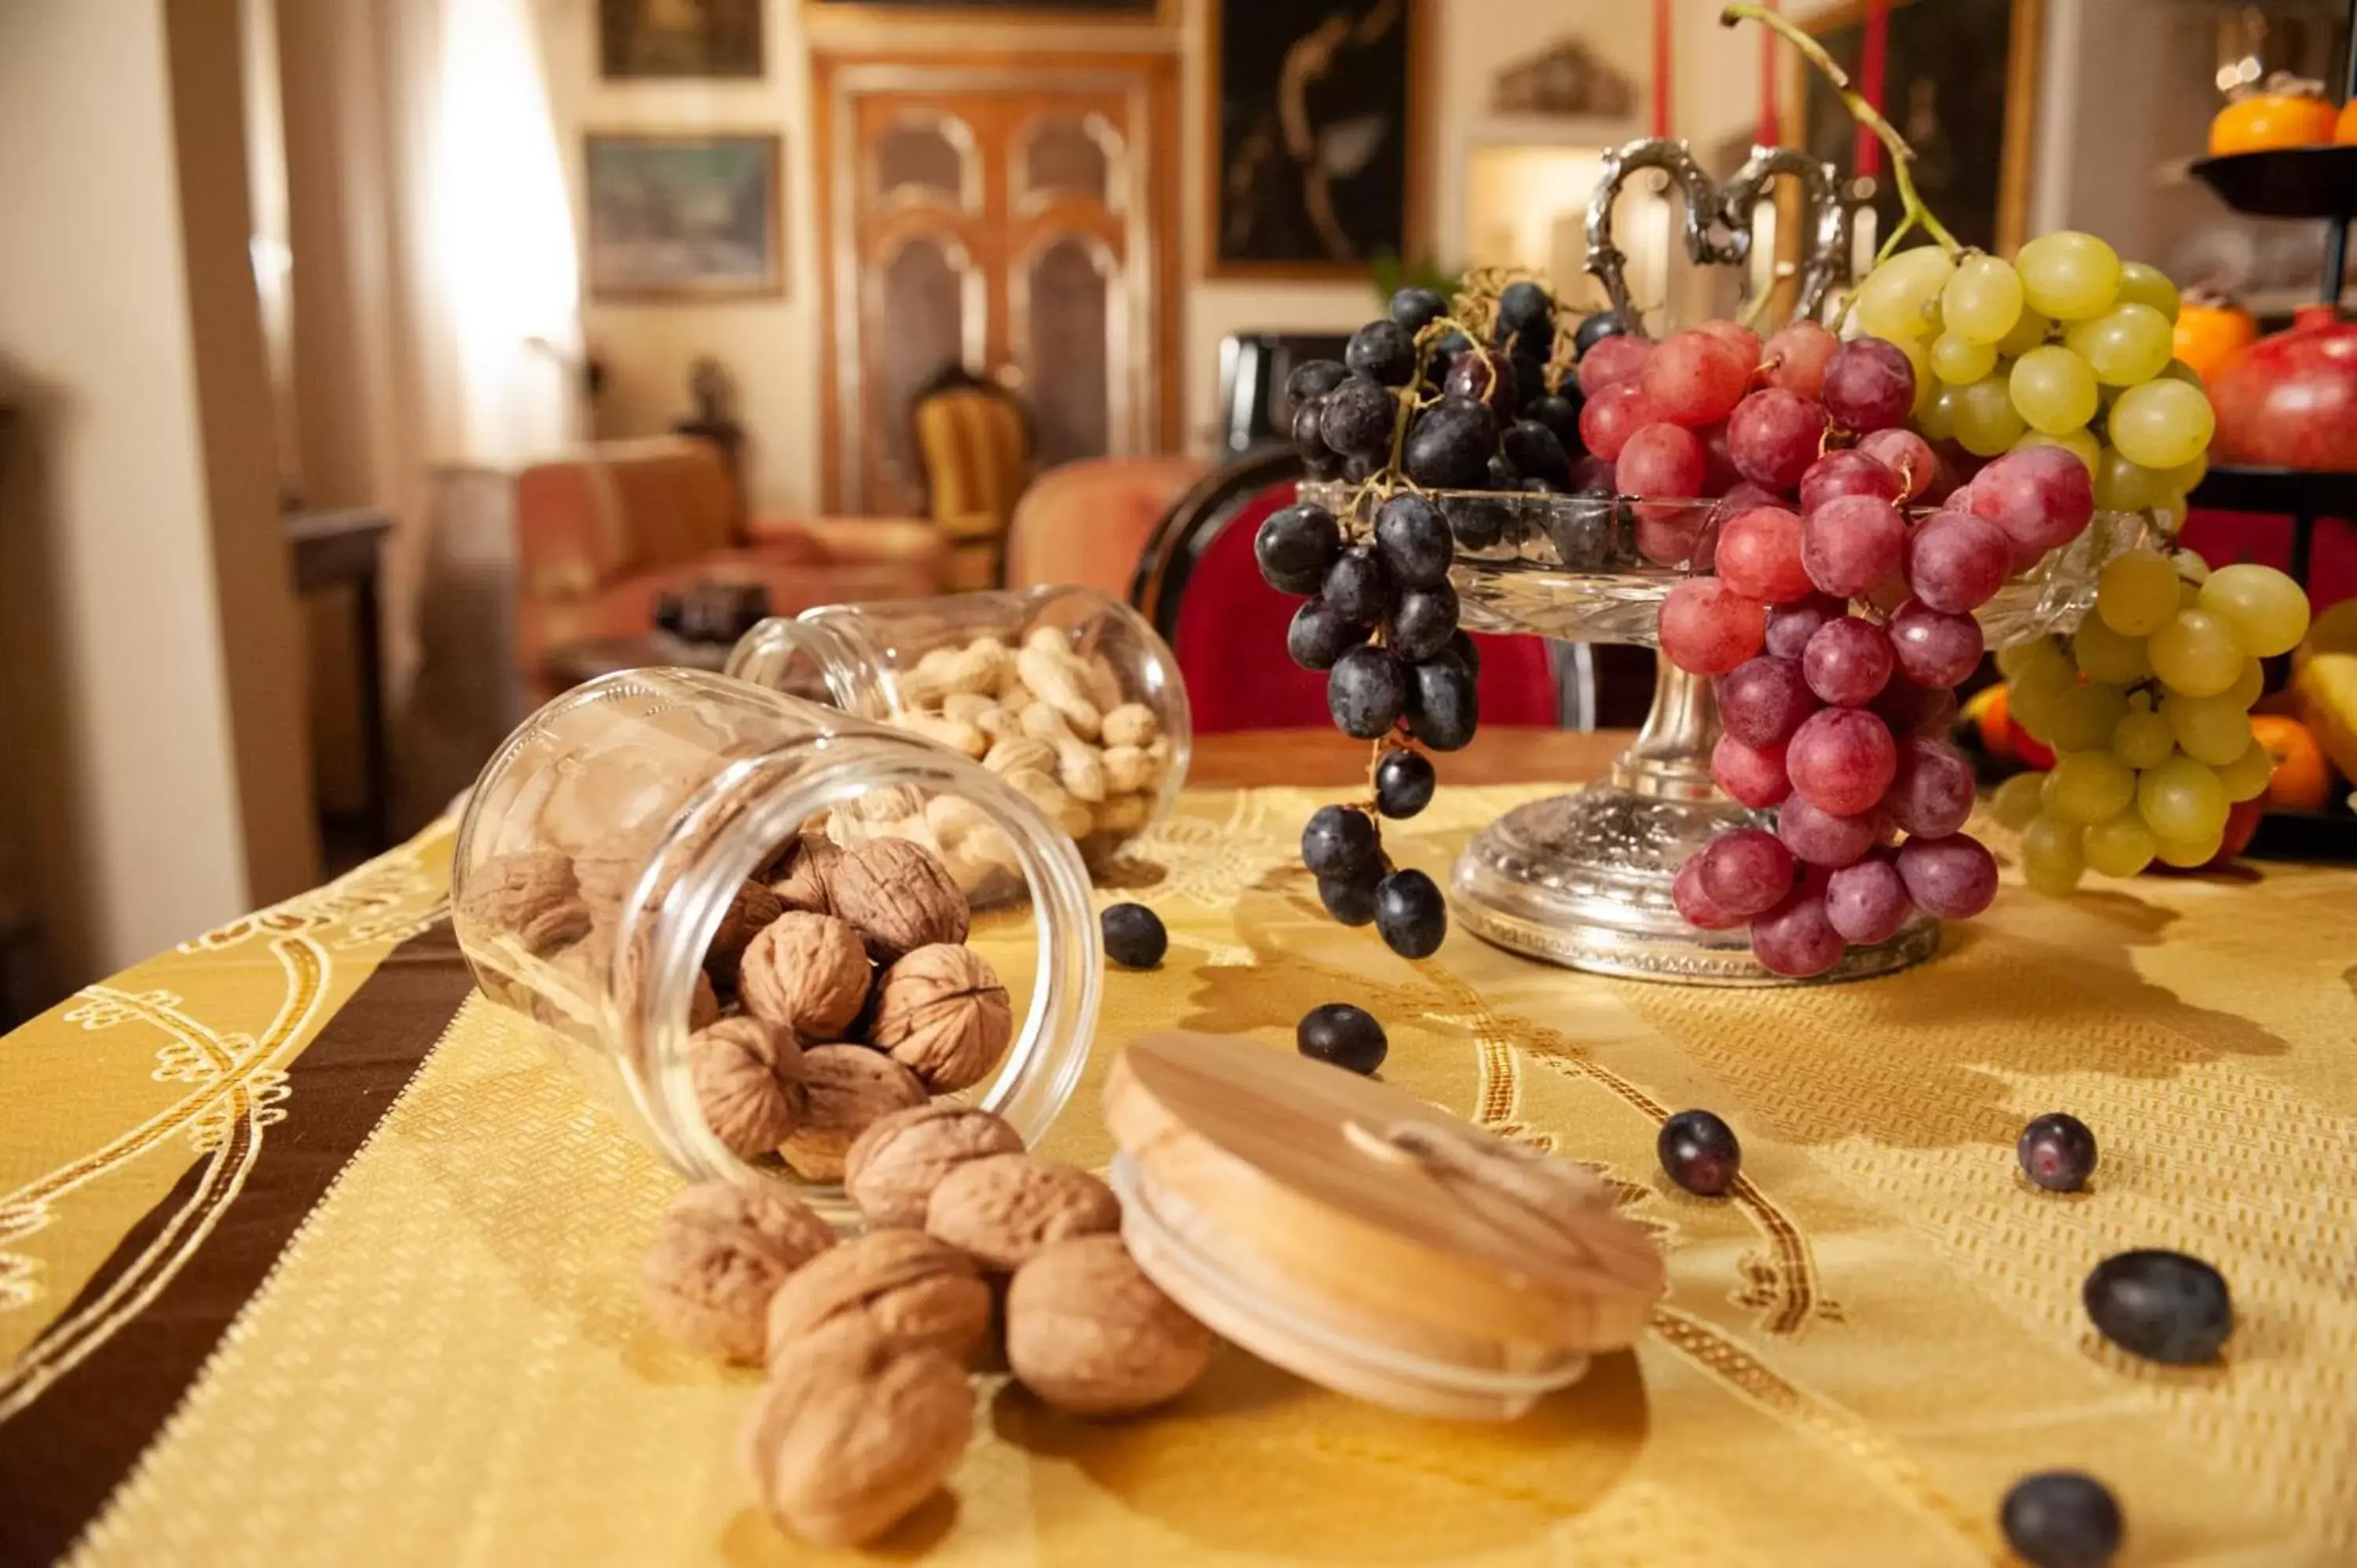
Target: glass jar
x,y
1065,692
611,837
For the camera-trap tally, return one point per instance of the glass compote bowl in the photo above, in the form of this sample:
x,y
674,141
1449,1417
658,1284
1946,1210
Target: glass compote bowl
x,y
1583,879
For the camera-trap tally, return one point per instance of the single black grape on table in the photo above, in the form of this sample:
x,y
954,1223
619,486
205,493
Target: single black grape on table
x,y
1366,691
1319,635
2062,1519
1412,537
1699,1152
1417,309
1359,587
1339,841
1423,622
2057,1152
1297,547
1382,351
1410,914
1357,420
1351,900
2161,1306
1343,1036
1404,783
1134,936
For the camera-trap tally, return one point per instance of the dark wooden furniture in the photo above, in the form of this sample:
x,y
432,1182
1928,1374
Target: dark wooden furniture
x,y
346,548
575,664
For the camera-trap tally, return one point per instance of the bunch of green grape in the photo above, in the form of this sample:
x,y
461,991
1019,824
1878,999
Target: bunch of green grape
x,y
2147,706
2064,346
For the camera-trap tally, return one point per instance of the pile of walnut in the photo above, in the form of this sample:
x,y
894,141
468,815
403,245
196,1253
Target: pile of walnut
x,y
866,1409
1054,725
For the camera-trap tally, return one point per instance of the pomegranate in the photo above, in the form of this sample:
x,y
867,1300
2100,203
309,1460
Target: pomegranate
x,y
2290,400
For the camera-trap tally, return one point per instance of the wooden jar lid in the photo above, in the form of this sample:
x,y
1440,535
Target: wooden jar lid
x,y
1324,1207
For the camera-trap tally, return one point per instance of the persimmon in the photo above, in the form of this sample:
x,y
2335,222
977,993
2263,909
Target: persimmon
x,y
2303,779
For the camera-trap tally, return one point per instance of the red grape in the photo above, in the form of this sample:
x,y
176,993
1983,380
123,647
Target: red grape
x,y
1910,709
1868,903
1593,473
1772,436
1660,459
1907,455
1613,415
1931,794
1745,495
1869,386
1760,555
1953,878
1694,379
1847,662
1762,700
1686,892
1737,336
1795,939
1842,759
1846,472
1932,648
1795,357
1613,360
1790,626
1826,838
1957,561
1747,872
1672,537
1708,628
1851,544
1719,474
1752,775
2040,496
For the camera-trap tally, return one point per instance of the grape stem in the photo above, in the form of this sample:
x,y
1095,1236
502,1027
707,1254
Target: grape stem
x,y
1913,210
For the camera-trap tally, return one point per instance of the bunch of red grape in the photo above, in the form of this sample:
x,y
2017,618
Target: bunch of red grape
x,y
1837,627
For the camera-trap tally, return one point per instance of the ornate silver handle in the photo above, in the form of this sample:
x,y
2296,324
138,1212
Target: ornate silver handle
x,y
1718,218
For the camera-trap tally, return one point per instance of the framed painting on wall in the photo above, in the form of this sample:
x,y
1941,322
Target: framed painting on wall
x,y
658,39
684,216
1312,166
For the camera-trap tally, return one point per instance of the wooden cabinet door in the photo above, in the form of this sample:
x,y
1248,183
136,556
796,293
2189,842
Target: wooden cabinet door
x,y
1002,214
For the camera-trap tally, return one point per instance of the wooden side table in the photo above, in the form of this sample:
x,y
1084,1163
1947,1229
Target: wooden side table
x,y
347,547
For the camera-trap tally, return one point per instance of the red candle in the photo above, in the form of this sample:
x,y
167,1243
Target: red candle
x,y
1869,159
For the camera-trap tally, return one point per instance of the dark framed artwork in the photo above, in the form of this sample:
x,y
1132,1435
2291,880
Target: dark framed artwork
x,y
1961,84
648,39
1312,119
682,217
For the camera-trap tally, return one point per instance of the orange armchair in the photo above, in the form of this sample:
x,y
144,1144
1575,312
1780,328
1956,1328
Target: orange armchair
x,y
600,535
1089,522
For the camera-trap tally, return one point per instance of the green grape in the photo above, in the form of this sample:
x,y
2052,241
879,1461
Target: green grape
x,y
2053,390
1899,298
2090,787
2069,275
2036,702
2143,739
2123,486
1987,421
2080,444
2196,653
2144,283
2019,800
2052,859
2085,714
2248,776
2162,424
2191,567
1937,417
2119,846
2125,345
2181,480
1919,360
2215,730
2265,609
2182,800
2135,594
2189,592
2179,371
2168,514
2109,656
1982,302
1954,359
2186,853
2029,331
2041,656
2250,686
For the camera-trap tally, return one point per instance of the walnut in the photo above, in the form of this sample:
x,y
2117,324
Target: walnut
x,y
942,1015
900,896
853,1431
807,972
750,912
893,1167
850,1088
702,1004
532,896
911,1287
1089,1333
1006,1208
748,1081
803,878
721,1253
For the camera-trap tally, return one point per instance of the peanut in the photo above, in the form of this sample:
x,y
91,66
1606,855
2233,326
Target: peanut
x,y
1104,686
968,706
1053,681
1131,724
1022,751
955,734
1124,814
1128,769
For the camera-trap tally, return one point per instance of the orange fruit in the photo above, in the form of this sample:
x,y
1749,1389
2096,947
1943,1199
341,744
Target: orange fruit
x,y
2346,129
2211,332
1992,720
2241,827
2286,112
2303,781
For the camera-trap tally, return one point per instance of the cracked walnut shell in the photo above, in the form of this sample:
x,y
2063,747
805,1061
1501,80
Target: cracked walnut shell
x,y
852,1432
849,1087
942,1014
532,896
893,1167
722,1252
1005,1209
806,972
1091,1335
749,1082
900,896
912,1287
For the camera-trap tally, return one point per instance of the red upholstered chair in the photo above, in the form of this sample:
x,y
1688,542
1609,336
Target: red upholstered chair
x,y
1199,584
1087,522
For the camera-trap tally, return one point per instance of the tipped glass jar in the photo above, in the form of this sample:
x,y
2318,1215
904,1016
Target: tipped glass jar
x,y
663,849
1064,692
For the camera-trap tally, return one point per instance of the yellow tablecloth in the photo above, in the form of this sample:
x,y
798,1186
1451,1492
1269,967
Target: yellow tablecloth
x,y
284,1279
